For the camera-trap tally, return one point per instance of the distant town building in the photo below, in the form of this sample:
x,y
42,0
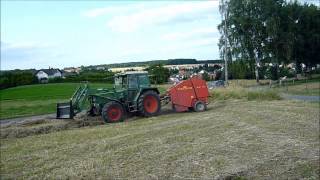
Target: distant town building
x,y
72,70
44,75
124,69
188,66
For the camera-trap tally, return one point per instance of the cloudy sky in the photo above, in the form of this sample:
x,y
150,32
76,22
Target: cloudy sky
x,y
39,34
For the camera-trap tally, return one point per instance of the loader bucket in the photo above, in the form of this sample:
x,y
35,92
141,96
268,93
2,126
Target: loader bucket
x,y
65,110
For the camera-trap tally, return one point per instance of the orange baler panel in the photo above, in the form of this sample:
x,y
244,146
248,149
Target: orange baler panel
x,y
200,87
182,93
188,91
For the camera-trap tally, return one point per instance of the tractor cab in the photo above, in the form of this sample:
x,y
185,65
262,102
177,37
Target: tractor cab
x,y
131,83
131,80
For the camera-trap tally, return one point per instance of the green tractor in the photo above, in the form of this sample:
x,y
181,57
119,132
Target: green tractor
x,y
132,93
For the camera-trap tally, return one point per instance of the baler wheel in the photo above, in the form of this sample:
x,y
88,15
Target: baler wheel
x,y
149,104
112,112
199,106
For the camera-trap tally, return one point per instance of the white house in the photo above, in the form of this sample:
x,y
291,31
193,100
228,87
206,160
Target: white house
x,y
44,75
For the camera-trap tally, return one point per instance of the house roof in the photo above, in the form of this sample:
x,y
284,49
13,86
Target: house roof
x,y
49,71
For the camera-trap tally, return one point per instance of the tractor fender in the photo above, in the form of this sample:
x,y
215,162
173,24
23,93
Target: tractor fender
x,y
150,89
144,90
109,100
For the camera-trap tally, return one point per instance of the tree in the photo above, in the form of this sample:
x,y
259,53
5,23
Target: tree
x,y
205,76
159,74
247,32
16,78
263,31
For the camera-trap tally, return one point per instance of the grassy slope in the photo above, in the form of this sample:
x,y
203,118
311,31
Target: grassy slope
x,y
266,139
35,99
299,87
308,89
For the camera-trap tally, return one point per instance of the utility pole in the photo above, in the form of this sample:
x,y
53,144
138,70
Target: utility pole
x,y
224,17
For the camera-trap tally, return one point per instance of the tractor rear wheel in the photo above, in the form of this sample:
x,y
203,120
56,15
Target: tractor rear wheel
x,y
199,106
149,104
112,112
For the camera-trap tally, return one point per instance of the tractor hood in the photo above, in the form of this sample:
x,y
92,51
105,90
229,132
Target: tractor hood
x,y
108,93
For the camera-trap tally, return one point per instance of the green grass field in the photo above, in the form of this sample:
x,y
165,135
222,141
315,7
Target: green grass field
x,y
36,99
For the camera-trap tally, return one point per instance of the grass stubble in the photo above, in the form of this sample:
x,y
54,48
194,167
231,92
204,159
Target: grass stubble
x,y
234,138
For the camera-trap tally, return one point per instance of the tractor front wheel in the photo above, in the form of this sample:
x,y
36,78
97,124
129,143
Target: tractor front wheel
x,y
149,104
112,112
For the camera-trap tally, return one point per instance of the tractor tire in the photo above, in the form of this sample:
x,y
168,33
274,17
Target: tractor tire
x,y
149,104
112,112
199,106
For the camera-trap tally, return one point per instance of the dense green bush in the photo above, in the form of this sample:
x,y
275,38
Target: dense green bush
x,y
91,76
56,80
16,78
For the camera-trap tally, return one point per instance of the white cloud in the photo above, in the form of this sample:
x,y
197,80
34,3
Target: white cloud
x,y
206,31
24,45
111,9
205,41
164,14
27,54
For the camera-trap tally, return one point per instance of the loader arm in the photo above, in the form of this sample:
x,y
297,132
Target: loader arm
x,y
79,97
76,104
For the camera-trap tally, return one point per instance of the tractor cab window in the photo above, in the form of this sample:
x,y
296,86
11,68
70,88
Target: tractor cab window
x,y
124,82
133,82
144,80
120,82
117,82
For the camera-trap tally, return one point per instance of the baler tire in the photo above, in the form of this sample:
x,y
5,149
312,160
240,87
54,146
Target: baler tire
x,y
153,96
112,112
199,106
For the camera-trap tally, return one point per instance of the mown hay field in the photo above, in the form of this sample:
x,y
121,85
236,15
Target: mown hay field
x,y
275,139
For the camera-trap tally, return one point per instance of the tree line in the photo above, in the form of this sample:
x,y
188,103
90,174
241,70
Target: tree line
x,y
16,78
274,32
25,77
157,62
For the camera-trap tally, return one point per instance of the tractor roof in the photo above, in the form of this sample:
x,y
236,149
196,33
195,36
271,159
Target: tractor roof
x,y
131,72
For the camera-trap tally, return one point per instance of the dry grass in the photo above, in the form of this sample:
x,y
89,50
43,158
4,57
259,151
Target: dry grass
x,y
312,88
246,82
253,139
232,92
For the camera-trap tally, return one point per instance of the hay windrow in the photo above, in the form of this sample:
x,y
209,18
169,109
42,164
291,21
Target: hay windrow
x,y
45,126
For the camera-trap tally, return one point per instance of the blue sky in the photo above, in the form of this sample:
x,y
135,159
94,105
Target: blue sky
x,y
39,34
